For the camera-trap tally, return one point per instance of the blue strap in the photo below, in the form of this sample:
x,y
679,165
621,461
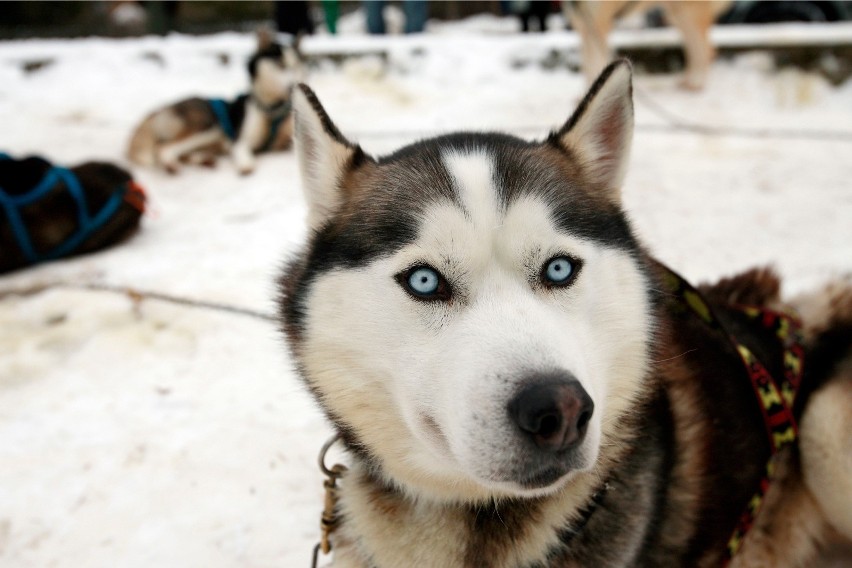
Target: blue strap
x,y
18,228
73,185
104,215
47,183
220,109
87,224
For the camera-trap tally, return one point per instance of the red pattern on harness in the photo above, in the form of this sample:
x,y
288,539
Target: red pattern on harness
x,y
775,397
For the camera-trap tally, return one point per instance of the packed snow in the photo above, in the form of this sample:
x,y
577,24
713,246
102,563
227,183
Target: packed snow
x,y
148,433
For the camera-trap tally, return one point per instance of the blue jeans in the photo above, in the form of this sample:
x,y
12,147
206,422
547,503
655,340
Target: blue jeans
x,y
416,13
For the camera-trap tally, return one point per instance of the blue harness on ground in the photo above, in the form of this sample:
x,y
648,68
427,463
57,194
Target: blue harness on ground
x,y
276,115
86,222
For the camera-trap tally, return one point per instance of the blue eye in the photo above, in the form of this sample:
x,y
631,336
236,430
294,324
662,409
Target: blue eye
x,y
558,271
424,281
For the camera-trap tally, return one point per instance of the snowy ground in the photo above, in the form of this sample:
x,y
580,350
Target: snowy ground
x,y
154,434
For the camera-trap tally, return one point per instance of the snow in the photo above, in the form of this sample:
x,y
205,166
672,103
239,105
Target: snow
x,y
156,434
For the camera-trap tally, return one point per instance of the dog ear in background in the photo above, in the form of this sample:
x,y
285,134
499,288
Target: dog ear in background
x,y
324,156
599,133
265,38
594,20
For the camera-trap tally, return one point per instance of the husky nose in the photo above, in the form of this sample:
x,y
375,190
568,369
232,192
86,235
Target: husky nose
x,y
554,414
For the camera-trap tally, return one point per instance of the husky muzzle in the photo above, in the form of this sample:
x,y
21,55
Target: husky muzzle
x,y
551,413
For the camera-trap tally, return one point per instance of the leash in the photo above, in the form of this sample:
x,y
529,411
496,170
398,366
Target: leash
x,y
329,519
87,223
774,395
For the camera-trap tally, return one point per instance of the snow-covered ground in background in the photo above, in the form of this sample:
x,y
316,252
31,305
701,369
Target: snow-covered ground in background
x,y
155,434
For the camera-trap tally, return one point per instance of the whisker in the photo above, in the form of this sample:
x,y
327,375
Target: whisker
x,y
498,514
675,357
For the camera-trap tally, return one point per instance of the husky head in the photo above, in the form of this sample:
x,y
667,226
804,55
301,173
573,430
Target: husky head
x,y
274,68
471,311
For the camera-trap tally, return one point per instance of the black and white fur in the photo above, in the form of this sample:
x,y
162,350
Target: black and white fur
x,y
497,415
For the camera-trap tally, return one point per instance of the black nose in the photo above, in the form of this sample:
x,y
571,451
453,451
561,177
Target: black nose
x,y
555,414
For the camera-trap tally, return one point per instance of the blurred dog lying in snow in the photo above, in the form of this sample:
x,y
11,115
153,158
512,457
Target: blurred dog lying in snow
x,y
594,20
48,212
197,130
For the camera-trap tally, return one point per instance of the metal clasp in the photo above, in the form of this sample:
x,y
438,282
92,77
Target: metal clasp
x,y
329,519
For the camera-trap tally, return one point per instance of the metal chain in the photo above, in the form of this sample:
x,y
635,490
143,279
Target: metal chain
x,y
329,519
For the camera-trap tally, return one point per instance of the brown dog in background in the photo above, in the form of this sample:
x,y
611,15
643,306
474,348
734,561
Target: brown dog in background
x,y
593,20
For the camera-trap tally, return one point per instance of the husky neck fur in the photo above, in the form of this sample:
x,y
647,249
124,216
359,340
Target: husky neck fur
x,y
476,317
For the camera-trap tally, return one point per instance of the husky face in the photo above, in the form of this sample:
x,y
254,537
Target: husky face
x,y
471,311
274,68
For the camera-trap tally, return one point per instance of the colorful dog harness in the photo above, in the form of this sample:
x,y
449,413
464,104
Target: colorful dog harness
x,y
775,395
230,123
87,223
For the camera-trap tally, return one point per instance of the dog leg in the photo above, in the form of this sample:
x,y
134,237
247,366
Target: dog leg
x,y
593,21
205,158
694,20
142,149
251,138
284,137
170,154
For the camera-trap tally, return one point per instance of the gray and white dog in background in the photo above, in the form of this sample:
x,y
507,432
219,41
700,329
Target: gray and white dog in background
x,y
198,130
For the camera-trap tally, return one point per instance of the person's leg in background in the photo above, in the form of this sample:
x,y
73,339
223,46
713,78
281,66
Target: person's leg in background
x,y
416,14
375,16
293,17
331,10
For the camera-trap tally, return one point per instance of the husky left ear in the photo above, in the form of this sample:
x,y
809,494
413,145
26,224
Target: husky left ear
x,y
599,133
324,156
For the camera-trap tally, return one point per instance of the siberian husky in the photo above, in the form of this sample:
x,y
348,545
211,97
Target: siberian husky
x,y
519,383
199,129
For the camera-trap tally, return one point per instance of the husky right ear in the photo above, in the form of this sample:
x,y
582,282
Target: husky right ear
x,y
599,133
324,156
